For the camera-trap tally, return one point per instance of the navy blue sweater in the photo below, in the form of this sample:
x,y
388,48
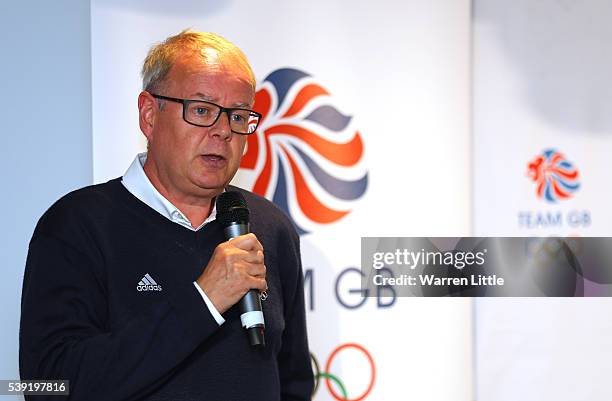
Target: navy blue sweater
x,y
84,319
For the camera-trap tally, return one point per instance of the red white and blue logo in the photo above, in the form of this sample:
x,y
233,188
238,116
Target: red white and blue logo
x,y
305,156
555,176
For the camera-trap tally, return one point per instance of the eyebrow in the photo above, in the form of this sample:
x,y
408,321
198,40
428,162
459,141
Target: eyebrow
x,y
208,98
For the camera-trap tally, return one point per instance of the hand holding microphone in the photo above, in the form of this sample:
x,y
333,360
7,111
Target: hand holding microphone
x,y
236,271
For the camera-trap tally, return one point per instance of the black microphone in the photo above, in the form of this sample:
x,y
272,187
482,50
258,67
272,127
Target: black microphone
x,y
233,215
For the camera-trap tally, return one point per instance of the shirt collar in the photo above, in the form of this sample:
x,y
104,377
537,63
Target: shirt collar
x,y
136,181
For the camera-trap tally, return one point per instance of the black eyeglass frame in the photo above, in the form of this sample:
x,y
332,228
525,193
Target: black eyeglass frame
x,y
227,110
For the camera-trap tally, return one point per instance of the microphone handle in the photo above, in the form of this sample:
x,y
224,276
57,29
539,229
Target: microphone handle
x,y
251,315
252,318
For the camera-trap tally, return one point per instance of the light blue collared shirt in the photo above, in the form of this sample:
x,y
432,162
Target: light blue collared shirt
x,y
136,181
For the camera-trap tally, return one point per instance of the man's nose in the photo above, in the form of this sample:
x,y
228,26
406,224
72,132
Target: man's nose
x,y
221,127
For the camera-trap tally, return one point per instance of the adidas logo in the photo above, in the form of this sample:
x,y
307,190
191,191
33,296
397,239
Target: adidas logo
x,y
148,284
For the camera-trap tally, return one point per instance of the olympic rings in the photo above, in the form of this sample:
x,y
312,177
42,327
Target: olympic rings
x,y
330,377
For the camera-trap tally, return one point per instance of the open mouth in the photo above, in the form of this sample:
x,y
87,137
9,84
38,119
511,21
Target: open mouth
x,y
213,157
214,161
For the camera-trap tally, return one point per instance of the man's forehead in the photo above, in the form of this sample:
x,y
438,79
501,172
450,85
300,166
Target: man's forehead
x,y
223,82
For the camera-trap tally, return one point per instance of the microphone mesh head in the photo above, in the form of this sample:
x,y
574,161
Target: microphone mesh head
x,y
232,208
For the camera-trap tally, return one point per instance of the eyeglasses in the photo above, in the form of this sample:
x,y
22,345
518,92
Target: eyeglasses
x,y
206,114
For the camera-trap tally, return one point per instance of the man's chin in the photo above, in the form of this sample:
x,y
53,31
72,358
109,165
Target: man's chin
x,y
211,186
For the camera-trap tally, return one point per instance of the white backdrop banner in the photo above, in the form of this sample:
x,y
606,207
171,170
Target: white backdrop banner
x,y
542,143
365,133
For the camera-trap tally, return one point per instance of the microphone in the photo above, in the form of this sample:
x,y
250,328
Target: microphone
x,y
233,215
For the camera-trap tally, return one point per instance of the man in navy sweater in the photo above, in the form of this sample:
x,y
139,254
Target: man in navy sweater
x,y
131,290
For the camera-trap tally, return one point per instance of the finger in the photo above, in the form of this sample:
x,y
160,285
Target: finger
x,y
247,242
256,283
254,256
255,269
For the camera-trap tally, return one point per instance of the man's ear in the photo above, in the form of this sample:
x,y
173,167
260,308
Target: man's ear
x,y
147,112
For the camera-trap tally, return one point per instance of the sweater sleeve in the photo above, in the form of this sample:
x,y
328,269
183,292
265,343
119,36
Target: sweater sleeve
x,y
294,357
64,330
